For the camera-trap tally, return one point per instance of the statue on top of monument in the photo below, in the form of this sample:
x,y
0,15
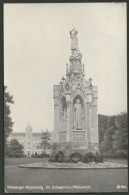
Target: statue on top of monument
x,y
74,42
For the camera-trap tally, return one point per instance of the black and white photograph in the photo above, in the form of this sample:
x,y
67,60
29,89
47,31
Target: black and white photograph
x,y
65,98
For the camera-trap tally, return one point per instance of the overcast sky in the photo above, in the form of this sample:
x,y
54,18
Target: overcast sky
x,y
37,48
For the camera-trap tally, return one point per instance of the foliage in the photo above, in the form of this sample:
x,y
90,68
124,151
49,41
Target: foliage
x,y
36,155
88,157
46,140
106,144
59,156
102,124
8,124
76,157
98,157
52,158
15,149
120,143
113,134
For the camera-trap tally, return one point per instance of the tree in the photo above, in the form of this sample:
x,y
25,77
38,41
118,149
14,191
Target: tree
x,y
117,144
107,143
121,135
46,140
15,149
8,124
102,126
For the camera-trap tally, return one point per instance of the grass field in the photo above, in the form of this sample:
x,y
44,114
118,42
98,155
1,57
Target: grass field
x,y
19,161
57,181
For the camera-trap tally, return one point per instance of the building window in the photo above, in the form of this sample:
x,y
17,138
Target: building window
x,y
39,147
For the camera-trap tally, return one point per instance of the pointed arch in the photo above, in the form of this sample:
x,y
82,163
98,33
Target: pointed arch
x,y
79,96
79,90
63,102
63,105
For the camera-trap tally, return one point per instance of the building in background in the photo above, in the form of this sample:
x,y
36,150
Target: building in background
x,y
30,141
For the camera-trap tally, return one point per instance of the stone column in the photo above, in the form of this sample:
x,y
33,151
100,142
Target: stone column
x,y
88,124
56,121
95,122
86,121
91,122
92,132
56,92
89,119
68,101
95,119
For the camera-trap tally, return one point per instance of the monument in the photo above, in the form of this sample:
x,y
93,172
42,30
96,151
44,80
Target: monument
x,y
75,107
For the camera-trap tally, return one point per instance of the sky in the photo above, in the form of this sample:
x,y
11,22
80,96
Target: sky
x,y
37,48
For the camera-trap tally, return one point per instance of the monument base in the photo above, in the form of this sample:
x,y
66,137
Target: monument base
x,y
56,165
75,147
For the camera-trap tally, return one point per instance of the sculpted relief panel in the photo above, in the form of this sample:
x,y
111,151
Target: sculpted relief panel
x,y
79,136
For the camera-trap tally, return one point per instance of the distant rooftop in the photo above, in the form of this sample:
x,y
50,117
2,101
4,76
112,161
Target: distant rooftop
x,y
23,134
29,128
18,134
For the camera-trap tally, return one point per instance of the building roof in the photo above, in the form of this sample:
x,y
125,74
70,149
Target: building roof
x,y
29,128
18,134
37,134
23,134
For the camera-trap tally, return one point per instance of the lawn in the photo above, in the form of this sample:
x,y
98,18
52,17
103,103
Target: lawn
x,y
20,161
55,180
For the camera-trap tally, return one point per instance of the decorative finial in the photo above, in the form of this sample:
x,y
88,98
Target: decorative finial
x,y
73,27
90,79
90,82
63,78
83,67
66,67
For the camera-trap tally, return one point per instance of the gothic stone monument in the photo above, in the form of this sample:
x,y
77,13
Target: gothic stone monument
x,y
75,107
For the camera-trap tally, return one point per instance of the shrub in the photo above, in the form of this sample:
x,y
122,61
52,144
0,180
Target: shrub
x,y
59,156
52,158
76,157
98,157
88,157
